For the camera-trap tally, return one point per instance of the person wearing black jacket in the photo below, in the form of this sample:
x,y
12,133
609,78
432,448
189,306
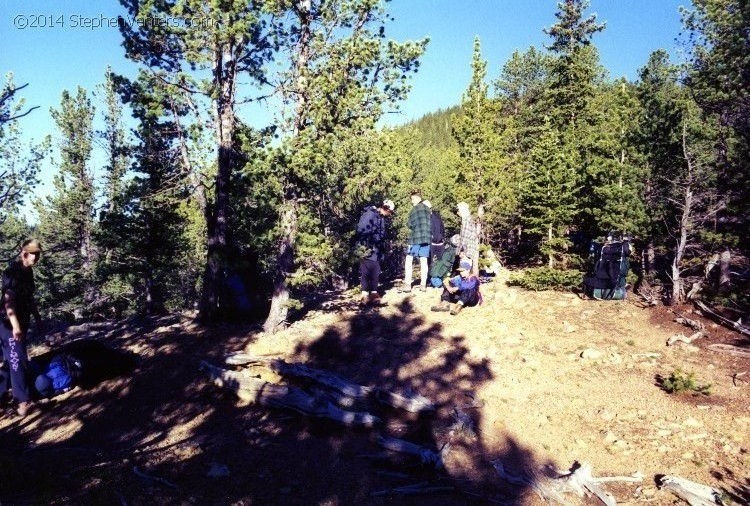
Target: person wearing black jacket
x,y
17,307
370,245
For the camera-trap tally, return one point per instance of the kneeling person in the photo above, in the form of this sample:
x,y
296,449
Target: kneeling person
x,y
60,375
463,290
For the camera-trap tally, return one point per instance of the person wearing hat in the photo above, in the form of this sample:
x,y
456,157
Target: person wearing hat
x,y
463,290
468,246
370,247
15,314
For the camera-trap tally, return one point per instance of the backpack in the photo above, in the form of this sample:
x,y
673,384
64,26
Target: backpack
x,y
437,228
64,371
607,281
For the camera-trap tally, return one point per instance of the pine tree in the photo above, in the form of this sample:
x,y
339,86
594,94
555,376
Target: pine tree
x,y
550,192
616,173
19,165
67,217
204,53
485,176
342,76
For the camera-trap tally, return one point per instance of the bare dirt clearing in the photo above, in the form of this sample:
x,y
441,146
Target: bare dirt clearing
x,y
557,380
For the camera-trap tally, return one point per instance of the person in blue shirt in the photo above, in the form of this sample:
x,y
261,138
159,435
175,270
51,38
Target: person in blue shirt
x,y
462,290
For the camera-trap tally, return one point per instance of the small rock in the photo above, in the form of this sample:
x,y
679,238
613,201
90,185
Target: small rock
x,y
606,415
664,433
648,492
692,422
568,328
615,358
609,438
591,354
662,449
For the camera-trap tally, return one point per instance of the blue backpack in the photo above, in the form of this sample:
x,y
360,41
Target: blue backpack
x,y
63,371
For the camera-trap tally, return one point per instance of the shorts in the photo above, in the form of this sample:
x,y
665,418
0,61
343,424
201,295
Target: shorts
x,y
419,250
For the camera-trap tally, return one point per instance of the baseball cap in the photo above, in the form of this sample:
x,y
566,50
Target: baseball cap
x,y
388,204
465,265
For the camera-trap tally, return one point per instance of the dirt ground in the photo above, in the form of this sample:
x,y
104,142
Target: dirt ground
x,y
547,379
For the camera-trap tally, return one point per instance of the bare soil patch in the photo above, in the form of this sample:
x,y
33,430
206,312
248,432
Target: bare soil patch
x,y
559,379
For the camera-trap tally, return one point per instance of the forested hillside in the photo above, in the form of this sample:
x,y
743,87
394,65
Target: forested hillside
x,y
195,208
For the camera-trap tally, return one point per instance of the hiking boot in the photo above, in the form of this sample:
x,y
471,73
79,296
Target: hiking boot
x,y
457,309
374,299
442,307
405,289
423,288
23,408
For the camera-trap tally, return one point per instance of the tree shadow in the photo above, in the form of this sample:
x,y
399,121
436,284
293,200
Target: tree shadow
x,y
165,435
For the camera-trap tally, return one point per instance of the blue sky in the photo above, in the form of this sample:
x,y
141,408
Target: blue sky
x,y
57,45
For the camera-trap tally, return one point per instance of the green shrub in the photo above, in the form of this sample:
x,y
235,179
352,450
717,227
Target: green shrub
x,y
544,278
680,382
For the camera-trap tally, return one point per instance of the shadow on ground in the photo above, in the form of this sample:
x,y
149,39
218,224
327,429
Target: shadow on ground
x,y
165,435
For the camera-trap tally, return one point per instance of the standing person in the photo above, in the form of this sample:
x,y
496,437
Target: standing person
x,y
420,236
17,307
469,238
437,234
370,241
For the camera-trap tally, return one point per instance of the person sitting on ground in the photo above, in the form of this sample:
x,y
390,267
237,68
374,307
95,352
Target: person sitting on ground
x,y
463,290
443,265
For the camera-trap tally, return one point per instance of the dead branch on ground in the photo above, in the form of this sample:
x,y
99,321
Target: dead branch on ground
x,y
274,395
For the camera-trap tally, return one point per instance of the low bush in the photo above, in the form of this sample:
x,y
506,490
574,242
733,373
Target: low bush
x,y
544,278
680,382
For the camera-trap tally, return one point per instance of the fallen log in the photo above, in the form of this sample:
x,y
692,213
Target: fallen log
x,y
418,488
274,395
426,455
695,494
414,403
679,338
728,348
578,481
693,324
737,326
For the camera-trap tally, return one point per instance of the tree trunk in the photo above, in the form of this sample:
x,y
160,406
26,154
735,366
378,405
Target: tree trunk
x,y
551,255
277,316
686,223
216,215
725,281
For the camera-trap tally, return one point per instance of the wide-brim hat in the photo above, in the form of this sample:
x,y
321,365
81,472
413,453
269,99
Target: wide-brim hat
x,y
33,246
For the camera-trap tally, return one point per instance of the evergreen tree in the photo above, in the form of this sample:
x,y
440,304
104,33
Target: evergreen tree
x,y
203,53
485,176
342,76
574,68
549,193
719,77
19,165
67,218
154,252
616,173
677,142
